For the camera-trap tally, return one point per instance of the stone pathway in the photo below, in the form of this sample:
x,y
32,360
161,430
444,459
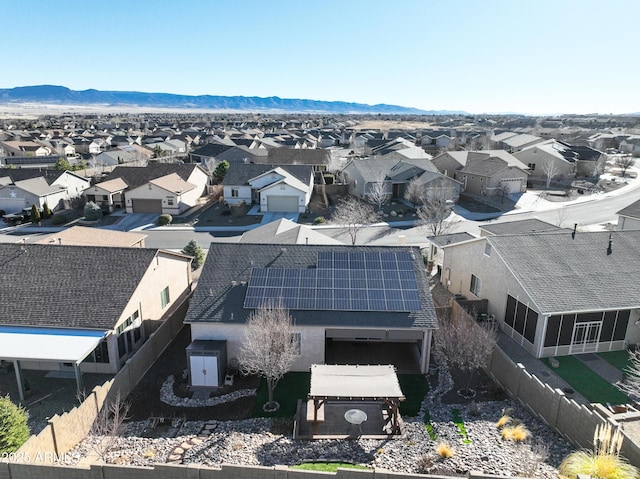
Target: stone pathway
x,y
176,456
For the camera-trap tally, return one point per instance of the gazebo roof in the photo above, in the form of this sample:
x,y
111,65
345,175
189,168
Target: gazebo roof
x,y
354,382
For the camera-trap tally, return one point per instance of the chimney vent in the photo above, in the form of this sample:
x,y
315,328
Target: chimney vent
x,y
609,249
575,228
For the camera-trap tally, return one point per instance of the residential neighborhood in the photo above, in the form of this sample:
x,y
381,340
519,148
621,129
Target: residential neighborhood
x,y
137,259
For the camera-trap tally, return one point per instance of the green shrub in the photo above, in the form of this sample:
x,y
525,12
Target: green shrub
x,y
14,431
35,214
320,219
165,219
92,211
429,427
193,249
462,430
46,211
59,220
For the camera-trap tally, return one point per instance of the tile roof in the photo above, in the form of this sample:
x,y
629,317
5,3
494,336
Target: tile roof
x,y
85,236
220,293
68,286
564,274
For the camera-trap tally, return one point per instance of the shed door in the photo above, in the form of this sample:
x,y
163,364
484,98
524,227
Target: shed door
x,y
147,206
282,204
204,371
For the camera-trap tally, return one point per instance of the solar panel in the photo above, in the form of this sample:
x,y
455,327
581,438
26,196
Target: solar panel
x,y
342,281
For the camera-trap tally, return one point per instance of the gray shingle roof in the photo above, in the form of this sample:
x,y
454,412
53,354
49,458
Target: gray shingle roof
x,y
632,210
219,296
519,227
295,156
68,286
19,174
240,174
564,274
451,238
135,176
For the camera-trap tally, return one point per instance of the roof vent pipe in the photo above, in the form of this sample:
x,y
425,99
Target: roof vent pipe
x,y
575,228
609,249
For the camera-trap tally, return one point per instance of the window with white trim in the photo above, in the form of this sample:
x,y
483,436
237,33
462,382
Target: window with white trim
x,y
487,249
476,285
164,297
235,193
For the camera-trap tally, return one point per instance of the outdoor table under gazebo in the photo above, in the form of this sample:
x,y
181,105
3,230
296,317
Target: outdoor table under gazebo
x,y
345,398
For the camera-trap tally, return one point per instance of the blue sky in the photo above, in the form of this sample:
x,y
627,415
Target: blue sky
x,y
545,56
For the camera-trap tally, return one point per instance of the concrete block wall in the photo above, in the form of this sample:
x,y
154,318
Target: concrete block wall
x,y
167,471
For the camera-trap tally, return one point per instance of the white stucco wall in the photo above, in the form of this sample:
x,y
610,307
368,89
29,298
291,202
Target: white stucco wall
x,y
244,195
311,344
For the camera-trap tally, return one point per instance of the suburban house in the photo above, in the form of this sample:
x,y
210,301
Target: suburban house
x,y
365,174
108,195
23,187
316,158
285,231
89,308
555,293
487,172
549,157
208,152
434,252
161,188
631,145
629,217
277,189
375,298
25,148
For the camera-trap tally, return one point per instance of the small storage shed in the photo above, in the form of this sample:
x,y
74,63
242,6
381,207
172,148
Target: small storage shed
x,y
207,361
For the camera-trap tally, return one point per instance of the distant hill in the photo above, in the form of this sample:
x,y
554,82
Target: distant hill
x,y
59,95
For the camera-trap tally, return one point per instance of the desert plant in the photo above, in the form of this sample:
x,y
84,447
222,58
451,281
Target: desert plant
x,y
429,427
604,462
516,433
165,219
319,219
462,430
444,450
13,426
503,421
46,211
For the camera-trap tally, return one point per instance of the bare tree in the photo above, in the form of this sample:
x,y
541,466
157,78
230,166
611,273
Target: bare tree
x,y
463,343
379,191
561,216
631,383
435,211
415,191
503,190
209,166
269,347
109,424
624,163
550,169
353,215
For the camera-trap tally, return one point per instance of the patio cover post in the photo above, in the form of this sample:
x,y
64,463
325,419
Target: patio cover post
x,y
16,368
78,373
426,352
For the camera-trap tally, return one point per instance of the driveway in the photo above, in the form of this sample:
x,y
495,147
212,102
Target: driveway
x,y
133,221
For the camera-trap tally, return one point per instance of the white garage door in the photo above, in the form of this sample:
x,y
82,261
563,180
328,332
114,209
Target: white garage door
x,y
204,371
12,205
282,204
513,185
147,206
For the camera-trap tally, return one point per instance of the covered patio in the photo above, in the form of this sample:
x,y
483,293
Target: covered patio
x,y
47,346
350,401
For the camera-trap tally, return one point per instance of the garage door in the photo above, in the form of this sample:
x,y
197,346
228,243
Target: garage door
x,y
282,204
513,185
147,206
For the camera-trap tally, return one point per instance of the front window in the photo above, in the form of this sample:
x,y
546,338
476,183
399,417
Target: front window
x,y
234,193
169,200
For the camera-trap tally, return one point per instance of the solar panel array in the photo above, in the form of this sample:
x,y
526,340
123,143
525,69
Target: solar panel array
x,y
342,281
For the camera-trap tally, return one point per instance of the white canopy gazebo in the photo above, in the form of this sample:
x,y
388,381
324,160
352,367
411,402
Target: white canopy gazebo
x,y
354,383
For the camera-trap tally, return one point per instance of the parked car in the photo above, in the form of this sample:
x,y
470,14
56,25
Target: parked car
x,y
13,218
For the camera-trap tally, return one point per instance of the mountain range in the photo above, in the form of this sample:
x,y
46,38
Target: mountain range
x,y
60,95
